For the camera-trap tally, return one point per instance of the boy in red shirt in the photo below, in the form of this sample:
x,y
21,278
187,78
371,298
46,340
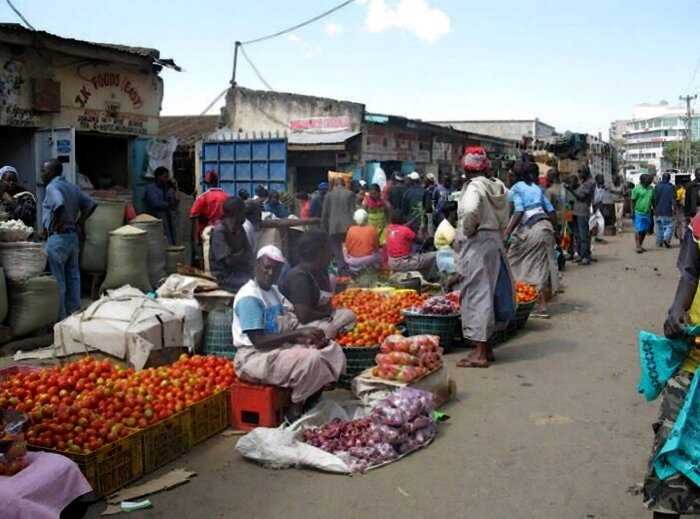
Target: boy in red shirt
x,y
399,246
208,208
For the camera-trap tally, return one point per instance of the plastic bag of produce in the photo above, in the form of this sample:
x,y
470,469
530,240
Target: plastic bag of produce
x,y
108,216
32,304
127,262
13,447
156,245
398,358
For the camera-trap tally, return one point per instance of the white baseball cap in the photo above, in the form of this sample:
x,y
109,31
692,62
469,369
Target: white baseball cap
x,y
414,175
272,252
430,176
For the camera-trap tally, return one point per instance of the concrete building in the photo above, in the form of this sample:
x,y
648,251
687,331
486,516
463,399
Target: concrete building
x,y
644,135
513,129
312,135
93,106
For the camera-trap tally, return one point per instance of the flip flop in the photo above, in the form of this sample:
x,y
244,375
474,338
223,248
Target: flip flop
x,y
468,363
540,315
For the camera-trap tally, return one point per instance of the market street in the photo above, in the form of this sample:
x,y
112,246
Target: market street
x,y
554,430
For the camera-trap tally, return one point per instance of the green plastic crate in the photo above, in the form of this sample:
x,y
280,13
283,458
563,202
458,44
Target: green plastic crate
x,y
218,339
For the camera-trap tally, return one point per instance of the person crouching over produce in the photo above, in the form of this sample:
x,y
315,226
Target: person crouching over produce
x,y
399,247
308,286
272,347
361,243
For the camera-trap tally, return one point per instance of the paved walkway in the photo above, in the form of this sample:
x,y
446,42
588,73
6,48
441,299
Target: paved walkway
x,y
554,430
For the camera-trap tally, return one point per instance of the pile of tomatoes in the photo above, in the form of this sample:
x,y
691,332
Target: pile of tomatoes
x,y
525,292
377,314
83,405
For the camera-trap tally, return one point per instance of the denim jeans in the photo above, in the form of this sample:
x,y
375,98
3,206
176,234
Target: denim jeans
x,y
63,251
664,229
583,237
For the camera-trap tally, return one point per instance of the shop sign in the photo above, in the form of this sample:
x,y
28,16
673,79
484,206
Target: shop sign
x,y
106,122
324,124
442,151
12,83
113,81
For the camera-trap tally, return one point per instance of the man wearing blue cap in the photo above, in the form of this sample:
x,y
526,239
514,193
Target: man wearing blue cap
x,y
316,203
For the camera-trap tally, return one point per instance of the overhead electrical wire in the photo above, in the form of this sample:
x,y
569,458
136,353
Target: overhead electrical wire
x,y
269,37
255,69
20,15
300,25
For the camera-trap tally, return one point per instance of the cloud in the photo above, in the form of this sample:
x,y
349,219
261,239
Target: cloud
x,y
415,16
334,29
307,49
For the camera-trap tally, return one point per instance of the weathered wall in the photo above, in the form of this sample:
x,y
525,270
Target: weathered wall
x,y
515,130
259,111
108,98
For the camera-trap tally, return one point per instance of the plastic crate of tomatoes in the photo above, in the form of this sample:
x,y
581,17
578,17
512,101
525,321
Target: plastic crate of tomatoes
x,y
110,467
210,416
166,440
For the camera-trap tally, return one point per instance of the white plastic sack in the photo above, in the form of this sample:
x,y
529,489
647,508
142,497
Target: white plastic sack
x,y
379,178
444,234
597,223
281,447
189,311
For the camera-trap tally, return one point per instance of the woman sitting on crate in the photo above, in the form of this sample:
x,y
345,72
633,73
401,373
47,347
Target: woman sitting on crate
x,y
272,347
531,235
308,286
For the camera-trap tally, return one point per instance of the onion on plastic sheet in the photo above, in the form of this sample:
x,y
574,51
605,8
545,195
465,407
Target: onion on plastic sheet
x,y
420,422
389,434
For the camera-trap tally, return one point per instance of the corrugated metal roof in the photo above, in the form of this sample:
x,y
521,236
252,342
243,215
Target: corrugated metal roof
x,y
143,52
187,128
321,138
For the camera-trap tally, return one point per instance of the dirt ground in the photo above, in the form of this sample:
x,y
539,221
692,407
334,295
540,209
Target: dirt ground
x,y
554,430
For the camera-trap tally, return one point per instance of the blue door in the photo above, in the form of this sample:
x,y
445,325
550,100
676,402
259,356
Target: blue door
x,y
244,164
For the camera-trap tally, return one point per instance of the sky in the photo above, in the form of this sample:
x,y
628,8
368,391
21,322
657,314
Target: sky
x,y
575,65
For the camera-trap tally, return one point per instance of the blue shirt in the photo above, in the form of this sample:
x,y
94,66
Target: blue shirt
x,y
61,193
277,208
528,196
664,195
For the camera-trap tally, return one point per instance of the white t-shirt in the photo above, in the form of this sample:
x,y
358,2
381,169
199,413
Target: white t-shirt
x,y
255,309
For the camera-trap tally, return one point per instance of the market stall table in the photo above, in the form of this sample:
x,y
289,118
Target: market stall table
x,y
43,489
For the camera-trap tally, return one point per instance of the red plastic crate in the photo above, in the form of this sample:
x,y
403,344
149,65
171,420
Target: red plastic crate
x,y
257,405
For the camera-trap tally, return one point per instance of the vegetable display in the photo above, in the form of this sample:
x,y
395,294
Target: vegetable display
x,y
14,230
83,405
376,314
525,293
405,359
396,426
439,305
13,447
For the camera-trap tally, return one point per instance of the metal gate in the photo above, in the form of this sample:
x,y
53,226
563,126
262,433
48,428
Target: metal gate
x,y
245,164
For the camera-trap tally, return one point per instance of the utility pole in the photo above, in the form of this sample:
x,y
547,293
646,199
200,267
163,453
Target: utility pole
x,y
235,63
688,124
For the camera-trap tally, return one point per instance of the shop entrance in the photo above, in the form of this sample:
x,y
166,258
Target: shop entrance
x,y
103,159
16,150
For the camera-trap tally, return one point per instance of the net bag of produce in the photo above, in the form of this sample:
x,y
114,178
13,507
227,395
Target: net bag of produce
x,y
108,216
127,259
22,259
3,296
156,245
174,255
33,303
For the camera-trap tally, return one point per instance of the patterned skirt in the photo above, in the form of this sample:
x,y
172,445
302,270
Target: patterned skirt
x,y
677,494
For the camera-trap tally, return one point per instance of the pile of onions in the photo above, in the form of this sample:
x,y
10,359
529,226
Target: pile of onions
x,y
397,425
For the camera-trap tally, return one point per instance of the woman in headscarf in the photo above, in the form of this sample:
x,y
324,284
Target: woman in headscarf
x,y
377,210
19,203
361,243
481,263
531,234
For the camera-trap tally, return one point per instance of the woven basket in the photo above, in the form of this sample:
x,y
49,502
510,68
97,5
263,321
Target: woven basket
x,y
447,327
357,360
522,314
22,259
